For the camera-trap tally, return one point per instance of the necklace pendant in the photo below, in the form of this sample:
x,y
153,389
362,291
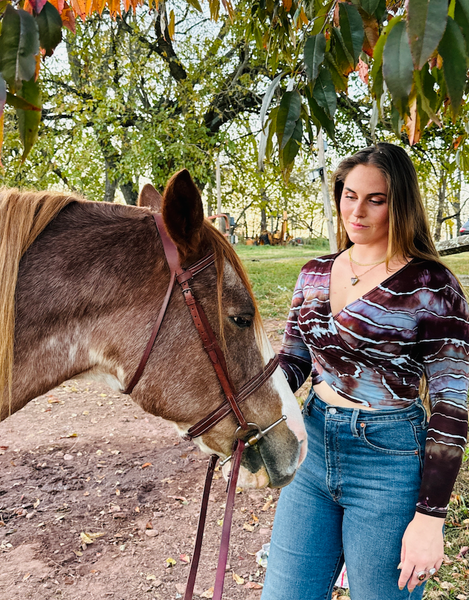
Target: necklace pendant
x,y
354,280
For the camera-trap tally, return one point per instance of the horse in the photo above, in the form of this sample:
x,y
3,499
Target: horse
x,y
81,284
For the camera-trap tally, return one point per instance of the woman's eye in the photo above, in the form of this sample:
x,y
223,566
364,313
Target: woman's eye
x,y
241,322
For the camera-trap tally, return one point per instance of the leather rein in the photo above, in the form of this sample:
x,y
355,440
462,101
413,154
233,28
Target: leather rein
x,y
230,403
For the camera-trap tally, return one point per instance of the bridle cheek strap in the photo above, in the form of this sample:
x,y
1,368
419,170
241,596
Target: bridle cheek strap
x,y
230,404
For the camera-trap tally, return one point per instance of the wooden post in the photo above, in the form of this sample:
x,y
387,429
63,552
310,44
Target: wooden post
x,y
325,195
218,176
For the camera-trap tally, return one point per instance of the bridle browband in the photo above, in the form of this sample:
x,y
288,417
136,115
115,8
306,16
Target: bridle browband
x,y
230,404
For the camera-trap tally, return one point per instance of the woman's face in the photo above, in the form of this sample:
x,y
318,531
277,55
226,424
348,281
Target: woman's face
x,y
364,206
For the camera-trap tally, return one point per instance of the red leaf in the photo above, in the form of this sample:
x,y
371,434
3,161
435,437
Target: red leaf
x,y
38,5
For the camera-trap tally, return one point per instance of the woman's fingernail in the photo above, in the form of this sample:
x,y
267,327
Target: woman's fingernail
x,y
401,588
399,566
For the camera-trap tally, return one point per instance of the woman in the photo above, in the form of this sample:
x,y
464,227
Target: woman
x,y
369,323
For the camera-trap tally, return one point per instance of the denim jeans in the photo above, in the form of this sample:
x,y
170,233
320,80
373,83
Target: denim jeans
x,y
351,500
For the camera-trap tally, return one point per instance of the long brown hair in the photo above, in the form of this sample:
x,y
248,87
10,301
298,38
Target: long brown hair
x,y
409,230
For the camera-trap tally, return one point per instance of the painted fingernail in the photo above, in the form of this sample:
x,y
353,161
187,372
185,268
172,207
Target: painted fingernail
x,y
399,566
401,588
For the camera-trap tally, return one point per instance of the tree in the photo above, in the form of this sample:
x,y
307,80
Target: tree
x,y
413,55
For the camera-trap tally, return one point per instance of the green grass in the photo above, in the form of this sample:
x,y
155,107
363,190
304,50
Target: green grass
x,y
458,263
273,271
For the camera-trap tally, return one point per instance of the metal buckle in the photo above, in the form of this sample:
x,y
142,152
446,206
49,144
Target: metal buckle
x,y
255,438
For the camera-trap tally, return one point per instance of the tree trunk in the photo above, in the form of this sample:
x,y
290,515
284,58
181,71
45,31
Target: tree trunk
x,y
130,195
111,184
263,211
441,206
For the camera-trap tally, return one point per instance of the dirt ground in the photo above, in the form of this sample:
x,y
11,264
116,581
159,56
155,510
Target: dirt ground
x,y
100,500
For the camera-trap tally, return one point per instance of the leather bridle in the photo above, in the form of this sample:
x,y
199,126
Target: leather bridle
x,y
230,404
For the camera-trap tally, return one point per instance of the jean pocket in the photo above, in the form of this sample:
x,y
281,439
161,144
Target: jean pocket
x,y
391,437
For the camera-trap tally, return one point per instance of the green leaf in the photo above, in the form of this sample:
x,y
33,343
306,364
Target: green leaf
x,y
50,28
314,54
426,93
369,6
396,121
3,95
462,159
18,102
324,92
339,80
318,115
461,16
287,117
28,120
378,50
398,67
426,24
453,51
19,44
351,27
342,56
287,156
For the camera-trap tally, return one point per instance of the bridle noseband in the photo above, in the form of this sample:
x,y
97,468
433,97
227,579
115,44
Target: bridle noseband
x,y
230,404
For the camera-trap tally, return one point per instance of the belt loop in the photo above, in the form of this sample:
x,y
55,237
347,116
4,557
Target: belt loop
x,y
353,422
424,410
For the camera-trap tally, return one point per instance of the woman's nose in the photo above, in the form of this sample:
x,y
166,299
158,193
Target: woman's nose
x,y
359,209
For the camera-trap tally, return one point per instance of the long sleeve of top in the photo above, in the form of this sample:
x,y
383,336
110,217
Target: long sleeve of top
x,y
376,349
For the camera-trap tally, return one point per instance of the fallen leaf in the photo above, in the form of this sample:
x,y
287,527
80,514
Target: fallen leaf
x,y
239,580
170,562
145,465
89,538
27,576
72,435
3,447
208,593
248,527
464,550
185,558
253,585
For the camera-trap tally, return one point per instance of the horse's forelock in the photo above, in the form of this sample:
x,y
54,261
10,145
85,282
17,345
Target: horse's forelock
x,y
23,216
223,250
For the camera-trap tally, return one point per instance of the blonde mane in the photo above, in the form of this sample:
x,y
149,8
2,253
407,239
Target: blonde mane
x,y
23,216
224,250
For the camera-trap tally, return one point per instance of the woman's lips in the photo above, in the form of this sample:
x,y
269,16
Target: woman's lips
x,y
358,225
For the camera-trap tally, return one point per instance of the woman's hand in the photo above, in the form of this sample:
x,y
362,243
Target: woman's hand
x,y
422,549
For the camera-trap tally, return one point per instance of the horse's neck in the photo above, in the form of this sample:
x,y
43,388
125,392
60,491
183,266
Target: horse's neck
x,y
82,291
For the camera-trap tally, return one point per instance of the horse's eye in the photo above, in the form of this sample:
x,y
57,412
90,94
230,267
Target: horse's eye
x,y
241,322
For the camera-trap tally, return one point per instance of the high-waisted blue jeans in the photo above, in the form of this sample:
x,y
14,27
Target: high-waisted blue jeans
x,y
351,500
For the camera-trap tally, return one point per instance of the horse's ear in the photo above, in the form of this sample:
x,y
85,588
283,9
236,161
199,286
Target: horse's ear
x,y
150,198
183,213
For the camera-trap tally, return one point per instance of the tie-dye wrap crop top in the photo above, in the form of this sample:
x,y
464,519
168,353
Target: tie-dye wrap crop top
x,y
375,350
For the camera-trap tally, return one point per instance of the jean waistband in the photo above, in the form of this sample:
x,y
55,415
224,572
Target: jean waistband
x,y
415,411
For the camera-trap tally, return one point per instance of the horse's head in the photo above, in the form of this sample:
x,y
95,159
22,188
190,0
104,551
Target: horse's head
x,y
179,382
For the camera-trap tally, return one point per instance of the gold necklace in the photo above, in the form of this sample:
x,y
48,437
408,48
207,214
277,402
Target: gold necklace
x,y
355,262
355,279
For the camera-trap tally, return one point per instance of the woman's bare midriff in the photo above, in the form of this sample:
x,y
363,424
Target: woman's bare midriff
x,y
329,396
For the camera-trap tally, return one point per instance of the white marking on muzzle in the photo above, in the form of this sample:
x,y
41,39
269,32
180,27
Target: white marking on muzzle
x,y
290,406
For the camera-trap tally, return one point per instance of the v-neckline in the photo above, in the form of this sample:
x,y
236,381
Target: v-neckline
x,y
363,296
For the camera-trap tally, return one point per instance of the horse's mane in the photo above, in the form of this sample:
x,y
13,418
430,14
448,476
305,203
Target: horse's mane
x,y
23,216
224,250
